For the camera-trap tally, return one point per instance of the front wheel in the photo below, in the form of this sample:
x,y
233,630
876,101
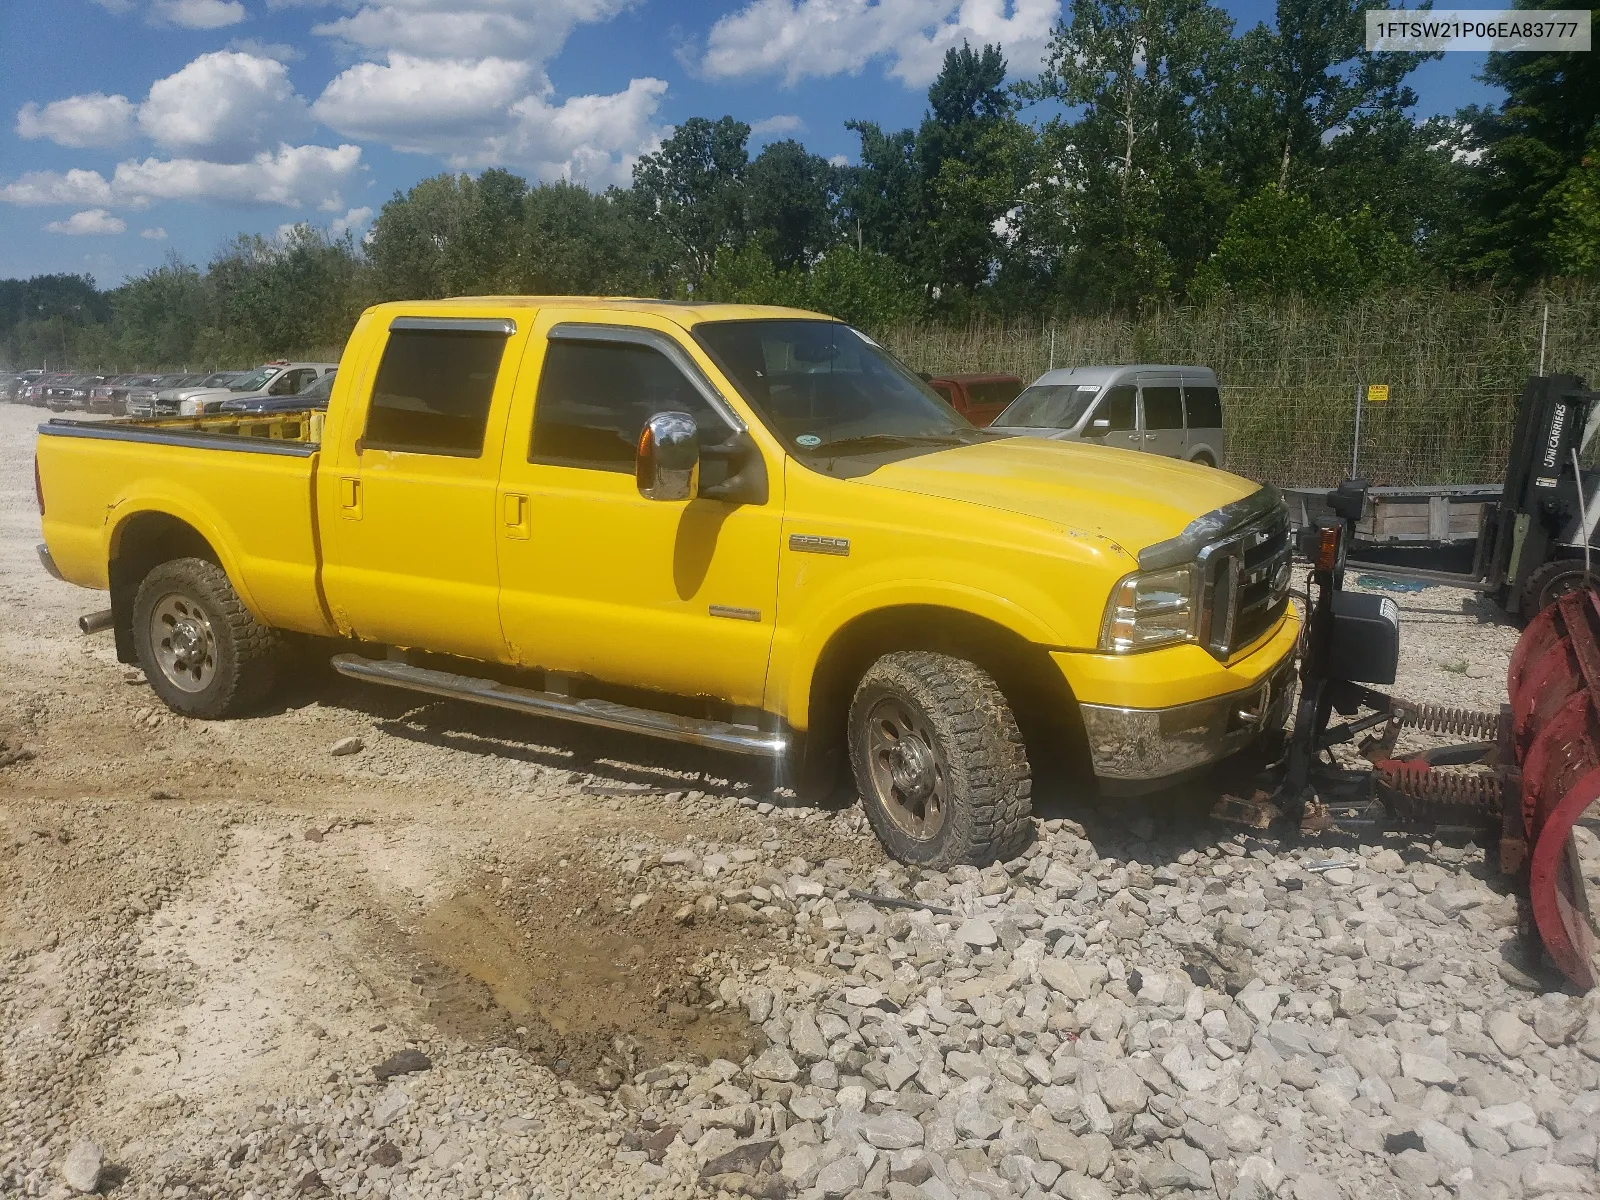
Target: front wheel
x,y
939,761
1551,582
203,652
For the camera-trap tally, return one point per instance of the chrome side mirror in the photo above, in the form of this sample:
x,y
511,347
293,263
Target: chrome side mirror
x,y
667,466
1100,423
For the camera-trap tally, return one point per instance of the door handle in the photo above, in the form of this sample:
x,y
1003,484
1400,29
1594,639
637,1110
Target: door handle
x,y
514,512
1149,437
1133,437
350,497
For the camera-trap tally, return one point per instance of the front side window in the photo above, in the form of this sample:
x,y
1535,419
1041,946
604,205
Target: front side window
x,y
595,397
827,391
1117,411
1049,406
433,390
1163,407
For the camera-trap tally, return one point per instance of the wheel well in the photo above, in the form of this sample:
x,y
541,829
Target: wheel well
x,y
1040,697
1204,459
145,541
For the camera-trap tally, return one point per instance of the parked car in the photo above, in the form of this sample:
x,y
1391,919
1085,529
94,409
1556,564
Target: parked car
x,y
272,379
140,399
112,395
739,527
978,398
70,392
34,392
1169,410
315,396
169,401
10,384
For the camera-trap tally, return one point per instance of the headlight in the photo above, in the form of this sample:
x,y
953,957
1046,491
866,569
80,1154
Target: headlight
x,y
190,408
1149,609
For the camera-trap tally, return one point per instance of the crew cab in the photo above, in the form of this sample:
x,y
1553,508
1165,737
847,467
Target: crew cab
x,y
742,527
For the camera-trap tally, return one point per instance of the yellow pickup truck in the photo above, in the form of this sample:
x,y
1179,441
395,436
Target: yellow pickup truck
x,y
747,528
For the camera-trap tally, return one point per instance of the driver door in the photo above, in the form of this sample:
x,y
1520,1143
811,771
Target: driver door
x,y
1115,421
596,580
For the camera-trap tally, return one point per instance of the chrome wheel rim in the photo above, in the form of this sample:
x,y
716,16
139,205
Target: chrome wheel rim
x,y
184,644
909,778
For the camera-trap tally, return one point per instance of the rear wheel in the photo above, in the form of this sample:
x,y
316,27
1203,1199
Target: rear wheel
x,y
939,761
203,652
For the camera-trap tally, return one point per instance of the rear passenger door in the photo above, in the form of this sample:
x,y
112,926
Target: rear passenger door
x,y
410,553
1161,405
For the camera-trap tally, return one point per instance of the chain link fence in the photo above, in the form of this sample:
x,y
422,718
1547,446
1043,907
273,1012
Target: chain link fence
x,y
1455,363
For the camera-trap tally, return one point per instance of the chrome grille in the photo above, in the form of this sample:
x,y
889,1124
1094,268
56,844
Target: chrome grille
x,y
1245,578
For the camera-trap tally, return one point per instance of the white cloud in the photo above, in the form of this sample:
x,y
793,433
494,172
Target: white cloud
x,y
157,234
469,28
422,104
79,121
282,51
350,222
799,39
48,187
838,160
292,176
591,139
782,123
91,221
197,14
115,6
226,102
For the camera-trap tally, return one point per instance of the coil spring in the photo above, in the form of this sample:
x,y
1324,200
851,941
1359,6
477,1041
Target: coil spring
x,y
1420,782
1457,722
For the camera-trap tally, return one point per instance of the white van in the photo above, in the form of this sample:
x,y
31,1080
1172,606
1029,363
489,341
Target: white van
x,y
1170,410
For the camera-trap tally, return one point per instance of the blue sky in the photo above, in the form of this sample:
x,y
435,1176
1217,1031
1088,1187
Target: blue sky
x,y
134,128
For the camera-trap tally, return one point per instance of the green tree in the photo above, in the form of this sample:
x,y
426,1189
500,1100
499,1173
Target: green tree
x,y
578,243
881,201
1575,225
1530,153
1134,206
1279,243
691,194
158,315
278,296
789,196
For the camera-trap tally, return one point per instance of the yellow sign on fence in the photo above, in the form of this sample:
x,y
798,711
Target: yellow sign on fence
x,y
1377,393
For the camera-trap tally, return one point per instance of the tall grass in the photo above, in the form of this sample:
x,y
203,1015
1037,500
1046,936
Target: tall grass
x,y
1455,361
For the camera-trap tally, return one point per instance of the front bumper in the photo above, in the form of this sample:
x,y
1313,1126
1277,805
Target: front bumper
x,y
1142,746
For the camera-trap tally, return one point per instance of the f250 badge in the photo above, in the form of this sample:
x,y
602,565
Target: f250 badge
x,y
810,543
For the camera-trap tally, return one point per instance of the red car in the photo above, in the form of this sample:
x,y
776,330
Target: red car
x,y
978,398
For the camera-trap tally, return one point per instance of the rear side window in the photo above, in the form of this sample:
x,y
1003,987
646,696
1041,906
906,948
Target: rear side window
x,y
433,390
1205,407
1163,408
1117,410
594,398
998,393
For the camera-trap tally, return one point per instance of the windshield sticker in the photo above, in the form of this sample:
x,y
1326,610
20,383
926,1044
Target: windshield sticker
x,y
808,440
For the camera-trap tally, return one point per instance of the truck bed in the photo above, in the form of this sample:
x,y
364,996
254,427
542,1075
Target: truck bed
x,y
246,484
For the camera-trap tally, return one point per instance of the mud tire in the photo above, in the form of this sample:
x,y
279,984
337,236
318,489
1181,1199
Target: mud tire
x,y
987,783
246,655
1550,582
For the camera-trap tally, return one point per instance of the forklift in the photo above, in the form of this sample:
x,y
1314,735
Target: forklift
x,y
1536,541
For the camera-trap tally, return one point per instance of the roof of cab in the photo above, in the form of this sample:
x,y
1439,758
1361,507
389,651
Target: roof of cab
x,y
1104,375
682,312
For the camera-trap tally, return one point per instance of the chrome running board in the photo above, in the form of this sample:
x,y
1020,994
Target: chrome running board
x,y
715,735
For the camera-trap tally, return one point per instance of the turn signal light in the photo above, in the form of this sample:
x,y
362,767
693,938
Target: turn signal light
x,y
1328,546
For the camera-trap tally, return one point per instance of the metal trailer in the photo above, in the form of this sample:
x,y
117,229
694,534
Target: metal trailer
x,y
1533,538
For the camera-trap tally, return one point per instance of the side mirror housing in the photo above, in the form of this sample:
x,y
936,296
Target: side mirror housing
x,y
667,465
1100,423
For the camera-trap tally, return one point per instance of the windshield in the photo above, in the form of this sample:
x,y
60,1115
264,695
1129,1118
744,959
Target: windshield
x,y
255,381
1049,406
827,390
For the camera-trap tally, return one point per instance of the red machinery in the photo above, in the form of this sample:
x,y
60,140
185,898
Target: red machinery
x,y
1525,783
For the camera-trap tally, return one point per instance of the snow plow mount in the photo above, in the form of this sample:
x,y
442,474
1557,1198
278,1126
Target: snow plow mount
x,y
1521,785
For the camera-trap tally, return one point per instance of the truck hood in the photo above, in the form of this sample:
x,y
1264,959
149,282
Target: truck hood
x,y
1128,497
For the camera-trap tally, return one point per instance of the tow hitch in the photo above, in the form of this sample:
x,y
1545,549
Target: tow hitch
x,y
1521,783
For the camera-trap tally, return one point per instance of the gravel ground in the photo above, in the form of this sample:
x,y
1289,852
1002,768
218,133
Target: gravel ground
x,y
471,955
